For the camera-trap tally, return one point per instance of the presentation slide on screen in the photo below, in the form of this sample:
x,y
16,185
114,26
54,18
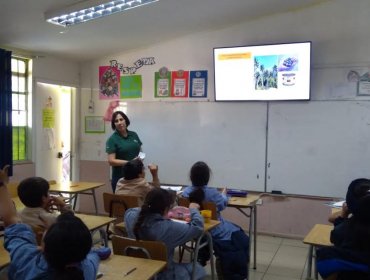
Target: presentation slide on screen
x,y
268,72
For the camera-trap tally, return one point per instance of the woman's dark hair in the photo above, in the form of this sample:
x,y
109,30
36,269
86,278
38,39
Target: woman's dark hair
x,y
32,190
132,169
157,201
200,174
114,115
360,224
357,189
67,242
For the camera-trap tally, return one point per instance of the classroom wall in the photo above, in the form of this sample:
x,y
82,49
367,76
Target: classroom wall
x,y
52,70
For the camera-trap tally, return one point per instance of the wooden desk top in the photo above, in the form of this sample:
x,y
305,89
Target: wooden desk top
x,y
4,255
94,222
319,235
116,266
211,224
74,187
243,202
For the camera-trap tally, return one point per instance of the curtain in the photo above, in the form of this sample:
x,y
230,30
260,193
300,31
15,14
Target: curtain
x,y
6,145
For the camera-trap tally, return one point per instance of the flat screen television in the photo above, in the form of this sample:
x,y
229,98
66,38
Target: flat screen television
x,y
263,73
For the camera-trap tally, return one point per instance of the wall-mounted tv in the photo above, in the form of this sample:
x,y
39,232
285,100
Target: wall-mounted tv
x,y
263,73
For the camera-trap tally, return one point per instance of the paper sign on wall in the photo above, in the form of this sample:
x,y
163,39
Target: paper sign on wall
x,y
180,84
198,83
131,86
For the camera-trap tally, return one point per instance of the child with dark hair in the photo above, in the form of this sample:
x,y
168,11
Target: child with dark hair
x,y
231,244
39,210
342,224
64,254
133,181
350,259
151,223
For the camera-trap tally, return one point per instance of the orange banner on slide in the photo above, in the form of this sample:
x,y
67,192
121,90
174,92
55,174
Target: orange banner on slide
x,y
227,56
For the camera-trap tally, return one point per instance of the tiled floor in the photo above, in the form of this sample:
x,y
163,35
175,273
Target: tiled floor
x,y
278,259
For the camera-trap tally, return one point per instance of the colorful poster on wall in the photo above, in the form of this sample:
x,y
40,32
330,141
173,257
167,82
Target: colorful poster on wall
x,y
131,86
180,84
198,83
109,78
162,83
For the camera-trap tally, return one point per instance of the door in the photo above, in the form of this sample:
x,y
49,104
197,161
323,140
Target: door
x,y
53,131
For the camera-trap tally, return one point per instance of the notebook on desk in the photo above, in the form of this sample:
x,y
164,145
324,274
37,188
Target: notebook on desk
x,y
238,193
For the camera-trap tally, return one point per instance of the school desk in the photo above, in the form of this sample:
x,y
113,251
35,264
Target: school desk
x,y
116,267
96,223
73,189
248,202
4,255
318,236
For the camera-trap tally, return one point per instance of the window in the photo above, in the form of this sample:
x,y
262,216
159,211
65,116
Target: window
x,y
19,108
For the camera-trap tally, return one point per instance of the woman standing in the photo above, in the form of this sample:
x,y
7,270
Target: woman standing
x,y
122,146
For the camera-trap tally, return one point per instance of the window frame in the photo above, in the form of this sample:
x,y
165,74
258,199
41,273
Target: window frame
x,y
21,151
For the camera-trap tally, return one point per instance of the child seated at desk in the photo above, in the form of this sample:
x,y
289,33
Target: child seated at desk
x,y
65,251
133,182
39,211
150,223
231,244
356,190
350,258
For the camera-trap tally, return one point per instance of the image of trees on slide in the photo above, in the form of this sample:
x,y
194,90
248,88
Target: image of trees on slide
x,y
265,72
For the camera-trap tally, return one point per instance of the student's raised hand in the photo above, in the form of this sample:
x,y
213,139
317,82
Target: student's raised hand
x,y
153,168
4,174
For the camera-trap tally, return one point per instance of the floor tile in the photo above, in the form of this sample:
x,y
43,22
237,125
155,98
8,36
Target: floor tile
x,y
268,239
293,242
278,277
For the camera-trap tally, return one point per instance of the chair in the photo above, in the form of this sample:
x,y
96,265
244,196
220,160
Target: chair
x,y
117,204
342,264
206,205
155,250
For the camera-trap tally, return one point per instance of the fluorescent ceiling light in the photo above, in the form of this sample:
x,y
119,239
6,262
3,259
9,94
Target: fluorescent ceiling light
x,y
88,10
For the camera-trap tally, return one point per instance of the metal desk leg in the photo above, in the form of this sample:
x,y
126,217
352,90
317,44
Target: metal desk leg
x,y
316,274
95,203
250,236
199,245
309,262
255,235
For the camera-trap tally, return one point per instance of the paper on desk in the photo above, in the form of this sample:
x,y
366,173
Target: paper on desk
x,y
172,188
338,204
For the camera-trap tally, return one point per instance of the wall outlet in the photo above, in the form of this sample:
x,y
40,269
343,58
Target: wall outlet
x,y
259,201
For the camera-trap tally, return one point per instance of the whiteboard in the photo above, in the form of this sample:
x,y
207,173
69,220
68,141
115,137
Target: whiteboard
x,y
229,137
317,147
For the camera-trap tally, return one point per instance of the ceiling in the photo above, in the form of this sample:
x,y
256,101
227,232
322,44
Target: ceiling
x,y
23,28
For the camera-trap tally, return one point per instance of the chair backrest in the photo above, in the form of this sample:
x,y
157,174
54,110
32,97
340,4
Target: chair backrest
x,y
117,204
155,250
206,205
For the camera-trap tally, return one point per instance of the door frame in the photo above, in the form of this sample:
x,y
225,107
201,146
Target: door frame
x,y
75,124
